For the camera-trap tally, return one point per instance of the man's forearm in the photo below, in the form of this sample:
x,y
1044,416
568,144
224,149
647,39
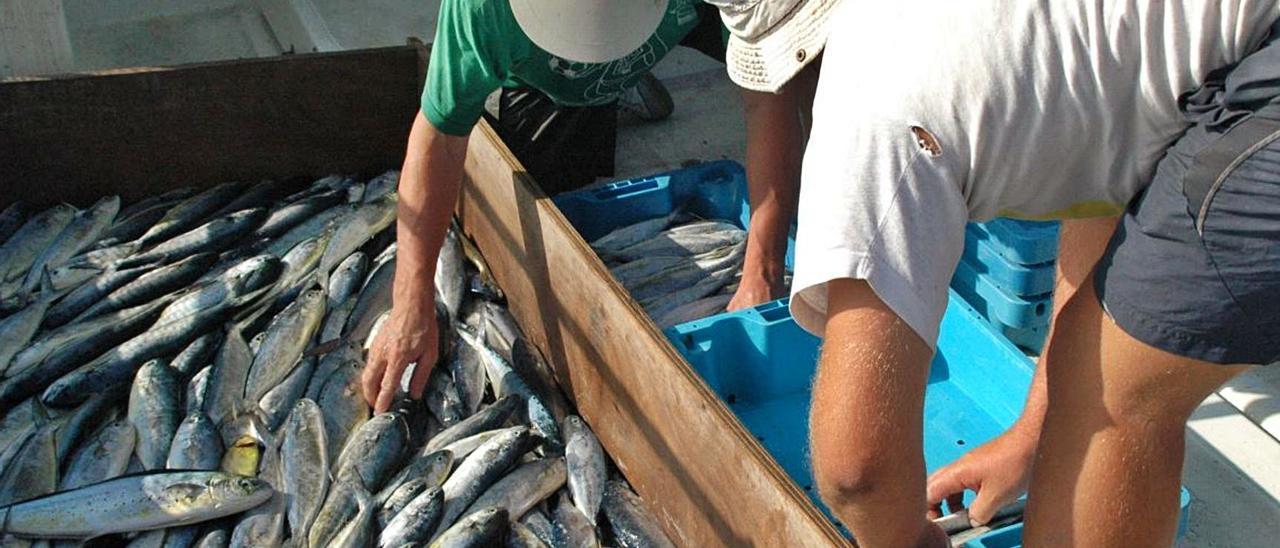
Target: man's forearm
x,y
775,149
1081,244
429,184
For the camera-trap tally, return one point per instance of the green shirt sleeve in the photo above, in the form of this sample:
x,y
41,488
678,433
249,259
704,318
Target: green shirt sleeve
x,y
467,63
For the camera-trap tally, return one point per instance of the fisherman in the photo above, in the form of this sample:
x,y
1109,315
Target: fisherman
x,y
561,66
777,74
930,114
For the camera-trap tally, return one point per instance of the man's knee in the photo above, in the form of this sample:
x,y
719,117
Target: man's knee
x,y
848,473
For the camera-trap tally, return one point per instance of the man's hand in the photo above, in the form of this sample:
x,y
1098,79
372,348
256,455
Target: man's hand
x,y
998,471
755,290
407,336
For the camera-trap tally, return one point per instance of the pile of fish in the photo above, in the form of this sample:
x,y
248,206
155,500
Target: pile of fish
x,y
185,371
678,269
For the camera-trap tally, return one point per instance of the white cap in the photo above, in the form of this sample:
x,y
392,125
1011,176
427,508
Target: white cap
x,y
771,40
589,31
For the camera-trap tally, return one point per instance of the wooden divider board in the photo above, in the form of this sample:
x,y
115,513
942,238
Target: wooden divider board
x,y
699,470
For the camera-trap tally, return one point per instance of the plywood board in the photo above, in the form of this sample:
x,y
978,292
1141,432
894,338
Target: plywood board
x,y
133,132
706,478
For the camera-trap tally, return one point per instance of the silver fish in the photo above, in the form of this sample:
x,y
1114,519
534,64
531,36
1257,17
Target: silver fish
x,y
103,457
305,462
357,533
19,252
134,503
632,234
587,466
479,471
34,470
489,418
451,274
685,240
416,521
190,213
155,407
197,445
374,449
216,235
633,526
286,338
524,487
345,409
347,278
370,219
430,468
227,378
520,536
483,528
83,230
400,498
278,402
572,528
696,310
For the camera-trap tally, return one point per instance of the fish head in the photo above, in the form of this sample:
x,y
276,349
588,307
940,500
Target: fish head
x,y
313,297
240,488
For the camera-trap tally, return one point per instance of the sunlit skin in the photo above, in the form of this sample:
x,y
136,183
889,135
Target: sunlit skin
x,y
866,421
429,184
999,470
777,130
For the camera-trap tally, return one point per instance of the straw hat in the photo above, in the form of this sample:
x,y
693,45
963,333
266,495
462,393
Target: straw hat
x,y
771,40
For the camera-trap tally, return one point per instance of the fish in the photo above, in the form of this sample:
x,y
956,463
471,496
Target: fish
x,y
140,502
479,471
374,299
488,418
520,536
168,198
227,378
197,445
400,498
190,213
429,468
504,380
374,450
305,465
357,532
155,407
696,310
264,525
286,337
197,355
365,222
451,273
340,506
19,252
11,219
629,235
129,226
312,226
463,447
571,528
33,471
345,409
104,456
198,391
216,235
83,230
347,278
443,399
152,284
381,185
261,194
243,456
540,526
688,273
633,526
277,403
287,216
469,378
90,293
73,426
17,330
60,351
414,523
484,528
524,487
587,467
685,240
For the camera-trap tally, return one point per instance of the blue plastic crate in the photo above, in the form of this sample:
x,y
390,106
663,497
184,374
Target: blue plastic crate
x,y
1014,278
761,363
997,305
1029,339
713,190
1011,537
1021,242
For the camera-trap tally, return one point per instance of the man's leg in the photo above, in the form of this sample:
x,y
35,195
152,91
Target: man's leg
x,y
866,420
1110,456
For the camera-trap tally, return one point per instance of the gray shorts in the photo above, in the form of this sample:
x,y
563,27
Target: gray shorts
x,y
1194,266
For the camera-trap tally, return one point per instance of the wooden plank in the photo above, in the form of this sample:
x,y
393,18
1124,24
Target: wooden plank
x,y
706,478
135,132
33,38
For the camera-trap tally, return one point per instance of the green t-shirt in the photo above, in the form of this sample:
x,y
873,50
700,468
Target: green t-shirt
x,y
479,47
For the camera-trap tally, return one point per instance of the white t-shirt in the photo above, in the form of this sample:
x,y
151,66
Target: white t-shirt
x,y
1039,108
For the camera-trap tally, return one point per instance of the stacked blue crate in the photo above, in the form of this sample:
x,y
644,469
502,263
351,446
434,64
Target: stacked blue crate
x,y
1007,275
